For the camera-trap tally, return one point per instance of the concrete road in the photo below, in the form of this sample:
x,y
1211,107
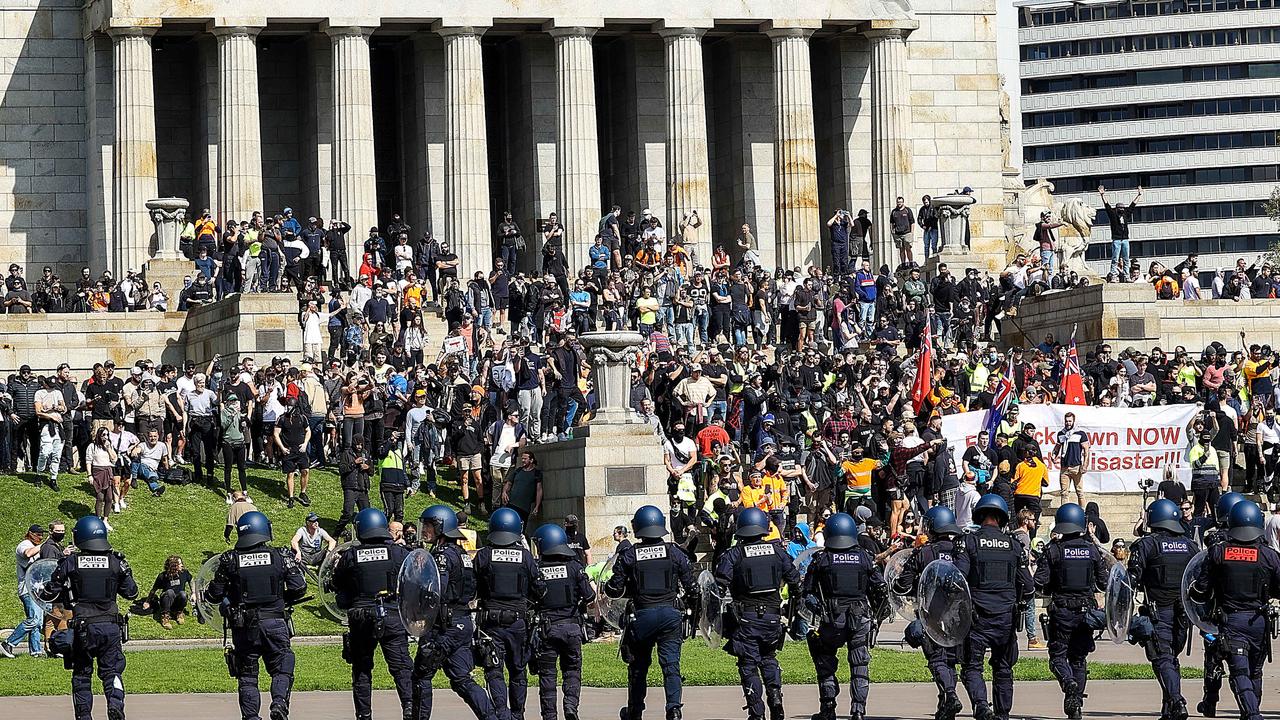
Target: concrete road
x,y
905,701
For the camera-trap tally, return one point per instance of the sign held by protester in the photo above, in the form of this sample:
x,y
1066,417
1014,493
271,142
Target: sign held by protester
x,y
1126,445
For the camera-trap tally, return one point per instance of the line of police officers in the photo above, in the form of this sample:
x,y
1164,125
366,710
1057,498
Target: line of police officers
x,y
533,608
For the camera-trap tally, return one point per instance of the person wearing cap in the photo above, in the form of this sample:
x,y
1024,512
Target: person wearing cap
x,y
311,544
1029,478
29,630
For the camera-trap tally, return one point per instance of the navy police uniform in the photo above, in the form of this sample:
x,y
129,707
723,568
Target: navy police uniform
x,y
1157,563
365,581
842,586
88,582
1241,577
1071,570
651,573
506,577
995,566
255,584
754,572
941,661
447,645
559,633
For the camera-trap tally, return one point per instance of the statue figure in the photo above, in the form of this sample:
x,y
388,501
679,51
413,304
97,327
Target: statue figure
x,y
1073,239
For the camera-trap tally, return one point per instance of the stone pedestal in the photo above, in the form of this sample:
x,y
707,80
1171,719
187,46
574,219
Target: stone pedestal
x,y
170,275
613,465
170,216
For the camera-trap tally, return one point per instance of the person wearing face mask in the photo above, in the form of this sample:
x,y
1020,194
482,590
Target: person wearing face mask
x,y
53,548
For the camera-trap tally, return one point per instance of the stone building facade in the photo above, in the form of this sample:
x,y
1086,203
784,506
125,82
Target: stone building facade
x,y
767,112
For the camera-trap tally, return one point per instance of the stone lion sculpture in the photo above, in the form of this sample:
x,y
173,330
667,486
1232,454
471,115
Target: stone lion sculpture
x,y
1073,239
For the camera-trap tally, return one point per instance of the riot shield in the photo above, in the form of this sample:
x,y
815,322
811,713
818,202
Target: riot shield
x,y
715,603
207,612
903,605
612,610
1119,604
804,558
38,576
420,590
1198,613
324,578
945,607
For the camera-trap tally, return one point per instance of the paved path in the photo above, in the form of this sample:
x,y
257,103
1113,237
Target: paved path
x,y
905,701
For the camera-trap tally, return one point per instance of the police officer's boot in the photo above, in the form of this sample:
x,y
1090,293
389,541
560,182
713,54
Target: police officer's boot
x,y
773,697
115,714
1178,709
673,714
948,706
1072,700
279,713
826,712
1207,709
984,712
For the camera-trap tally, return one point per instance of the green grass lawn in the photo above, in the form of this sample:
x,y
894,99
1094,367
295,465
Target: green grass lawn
x,y
322,668
187,521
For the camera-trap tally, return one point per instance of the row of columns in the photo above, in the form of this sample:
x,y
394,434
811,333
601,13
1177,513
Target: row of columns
x,y
467,212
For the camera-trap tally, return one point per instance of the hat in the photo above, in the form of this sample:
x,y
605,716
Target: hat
x,y
312,517
373,229
135,371
768,417
695,367
288,211
570,519
36,530
25,368
109,363
313,218
647,212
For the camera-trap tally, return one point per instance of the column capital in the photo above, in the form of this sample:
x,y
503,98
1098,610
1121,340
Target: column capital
x,y
349,27
137,27
876,29
466,29
574,28
232,27
671,29
778,30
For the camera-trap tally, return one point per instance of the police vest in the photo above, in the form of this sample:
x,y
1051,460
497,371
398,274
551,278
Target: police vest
x,y
562,586
936,550
94,582
1072,564
758,572
846,574
994,567
460,588
258,572
655,573
506,580
1242,577
377,566
1167,558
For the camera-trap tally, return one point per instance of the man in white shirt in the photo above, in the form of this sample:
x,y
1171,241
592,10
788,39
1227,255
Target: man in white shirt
x,y
51,411
147,459
966,497
26,553
311,543
123,441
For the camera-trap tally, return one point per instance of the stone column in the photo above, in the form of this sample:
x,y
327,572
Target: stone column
x,y
796,158
466,151
134,158
239,129
577,143
891,150
354,188
688,174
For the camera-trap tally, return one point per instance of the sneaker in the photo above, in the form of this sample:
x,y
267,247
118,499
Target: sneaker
x,y
123,505
53,484
302,498
289,503
248,499
158,491
107,525
180,618
228,498
6,649
115,506
164,622
38,655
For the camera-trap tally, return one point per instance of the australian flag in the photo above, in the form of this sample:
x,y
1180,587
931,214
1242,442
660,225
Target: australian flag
x,y
1000,404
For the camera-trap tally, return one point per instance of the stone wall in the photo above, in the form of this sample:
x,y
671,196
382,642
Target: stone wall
x,y
1124,315
42,134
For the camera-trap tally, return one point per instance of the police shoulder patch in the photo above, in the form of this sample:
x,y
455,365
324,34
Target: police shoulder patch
x,y
508,555
650,552
93,562
555,572
760,550
372,554
257,559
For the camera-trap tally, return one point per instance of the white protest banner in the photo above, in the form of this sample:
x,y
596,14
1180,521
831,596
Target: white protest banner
x,y
1125,444
455,344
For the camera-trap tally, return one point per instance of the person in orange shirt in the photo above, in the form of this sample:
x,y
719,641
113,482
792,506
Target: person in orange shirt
x,y
1029,478
777,490
753,493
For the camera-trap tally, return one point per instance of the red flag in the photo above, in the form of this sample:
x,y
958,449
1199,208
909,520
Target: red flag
x,y
924,370
1072,379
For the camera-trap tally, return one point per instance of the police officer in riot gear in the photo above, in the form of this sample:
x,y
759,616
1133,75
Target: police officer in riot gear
x,y
995,566
447,645
366,584
940,525
255,584
1070,572
88,581
506,577
1240,576
1157,563
754,572
1215,654
841,586
652,572
558,628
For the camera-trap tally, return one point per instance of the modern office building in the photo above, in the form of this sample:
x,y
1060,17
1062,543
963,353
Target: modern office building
x,y
1179,97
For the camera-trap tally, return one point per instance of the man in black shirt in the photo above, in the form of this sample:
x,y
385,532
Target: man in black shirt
x,y
577,540
292,435
103,396
1119,216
